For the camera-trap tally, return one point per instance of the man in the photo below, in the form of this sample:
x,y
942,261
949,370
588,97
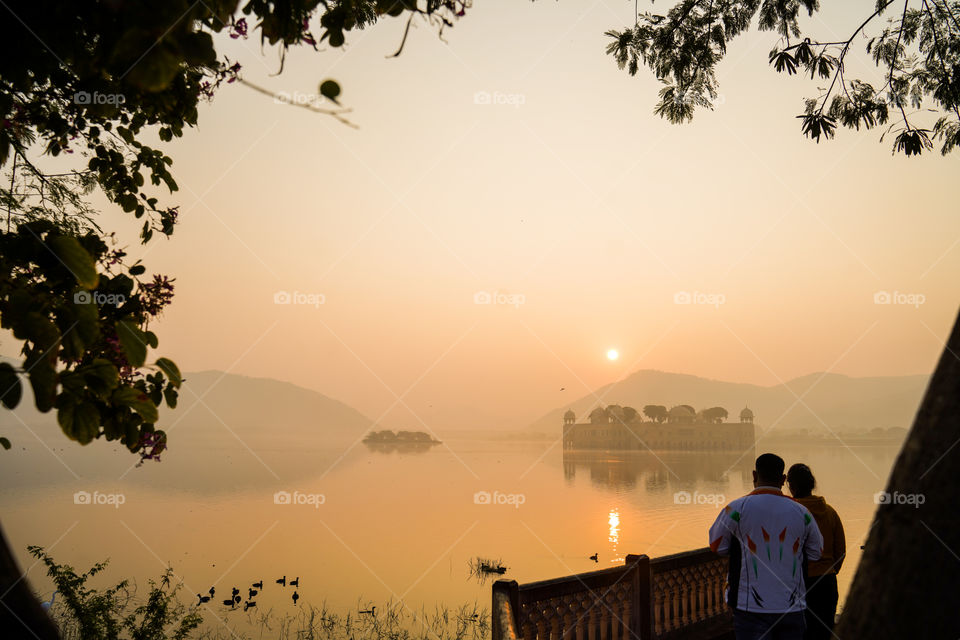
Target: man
x,y
768,536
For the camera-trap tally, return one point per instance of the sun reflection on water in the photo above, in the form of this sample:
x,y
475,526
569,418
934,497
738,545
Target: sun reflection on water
x,y
614,537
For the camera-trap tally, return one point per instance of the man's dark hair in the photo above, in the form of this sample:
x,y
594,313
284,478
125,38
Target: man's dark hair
x,y
770,468
801,480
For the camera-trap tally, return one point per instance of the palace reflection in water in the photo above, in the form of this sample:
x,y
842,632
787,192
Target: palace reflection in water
x,y
659,471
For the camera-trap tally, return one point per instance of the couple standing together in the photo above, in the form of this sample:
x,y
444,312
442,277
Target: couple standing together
x,y
784,556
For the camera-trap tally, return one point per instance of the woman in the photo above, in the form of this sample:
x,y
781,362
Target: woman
x,y
821,576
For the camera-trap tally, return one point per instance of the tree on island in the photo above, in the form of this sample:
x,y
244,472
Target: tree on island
x,y
656,412
630,414
715,415
615,413
599,416
86,359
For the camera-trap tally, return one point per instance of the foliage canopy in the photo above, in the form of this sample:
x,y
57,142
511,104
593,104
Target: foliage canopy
x,y
918,48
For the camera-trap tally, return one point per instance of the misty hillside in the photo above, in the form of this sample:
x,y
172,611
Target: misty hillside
x,y
841,402
223,406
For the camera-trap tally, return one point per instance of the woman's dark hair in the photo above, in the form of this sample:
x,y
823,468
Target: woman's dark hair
x,y
801,480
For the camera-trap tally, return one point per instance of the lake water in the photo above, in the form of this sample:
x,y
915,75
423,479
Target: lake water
x,y
364,527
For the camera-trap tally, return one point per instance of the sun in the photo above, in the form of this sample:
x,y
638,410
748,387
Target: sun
x,y
613,354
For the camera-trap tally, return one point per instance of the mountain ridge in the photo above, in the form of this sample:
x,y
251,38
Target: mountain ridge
x,y
827,401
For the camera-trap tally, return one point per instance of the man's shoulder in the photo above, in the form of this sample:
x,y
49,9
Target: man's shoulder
x,y
777,502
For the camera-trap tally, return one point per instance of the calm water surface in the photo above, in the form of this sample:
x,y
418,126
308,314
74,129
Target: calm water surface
x,y
392,525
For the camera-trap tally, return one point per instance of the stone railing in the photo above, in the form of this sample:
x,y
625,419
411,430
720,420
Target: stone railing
x,y
678,596
687,595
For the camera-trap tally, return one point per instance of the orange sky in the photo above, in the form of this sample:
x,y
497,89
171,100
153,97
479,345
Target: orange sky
x,y
566,191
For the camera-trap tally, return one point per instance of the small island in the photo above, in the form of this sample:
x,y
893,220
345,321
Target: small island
x,y
403,441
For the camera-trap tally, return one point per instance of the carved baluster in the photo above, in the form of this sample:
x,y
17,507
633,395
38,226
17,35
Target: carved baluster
x,y
706,588
543,630
555,607
529,623
674,621
566,619
709,591
659,604
591,622
694,595
604,620
613,607
720,582
684,598
626,612
580,613
577,612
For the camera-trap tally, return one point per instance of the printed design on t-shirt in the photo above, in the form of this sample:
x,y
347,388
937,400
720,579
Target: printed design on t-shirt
x,y
753,555
782,536
795,595
733,515
796,546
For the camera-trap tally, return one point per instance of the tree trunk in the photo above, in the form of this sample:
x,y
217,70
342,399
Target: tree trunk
x,y
908,582
21,616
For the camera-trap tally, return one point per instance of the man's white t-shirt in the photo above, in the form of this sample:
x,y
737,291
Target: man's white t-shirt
x,y
774,532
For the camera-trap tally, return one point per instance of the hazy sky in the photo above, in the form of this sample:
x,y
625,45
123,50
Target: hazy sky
x,y
566,193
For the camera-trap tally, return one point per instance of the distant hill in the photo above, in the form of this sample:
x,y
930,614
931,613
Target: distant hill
x,y
843,403
213,404
243,433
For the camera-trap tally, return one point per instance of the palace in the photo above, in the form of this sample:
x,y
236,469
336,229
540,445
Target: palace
x,y
682,428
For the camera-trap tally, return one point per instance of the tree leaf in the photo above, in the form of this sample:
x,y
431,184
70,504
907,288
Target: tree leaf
x,y
10,388
65,411
101,377
133,342
330,89
77,260
138,401
171,370
41,331
86,422
43,381
170,395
